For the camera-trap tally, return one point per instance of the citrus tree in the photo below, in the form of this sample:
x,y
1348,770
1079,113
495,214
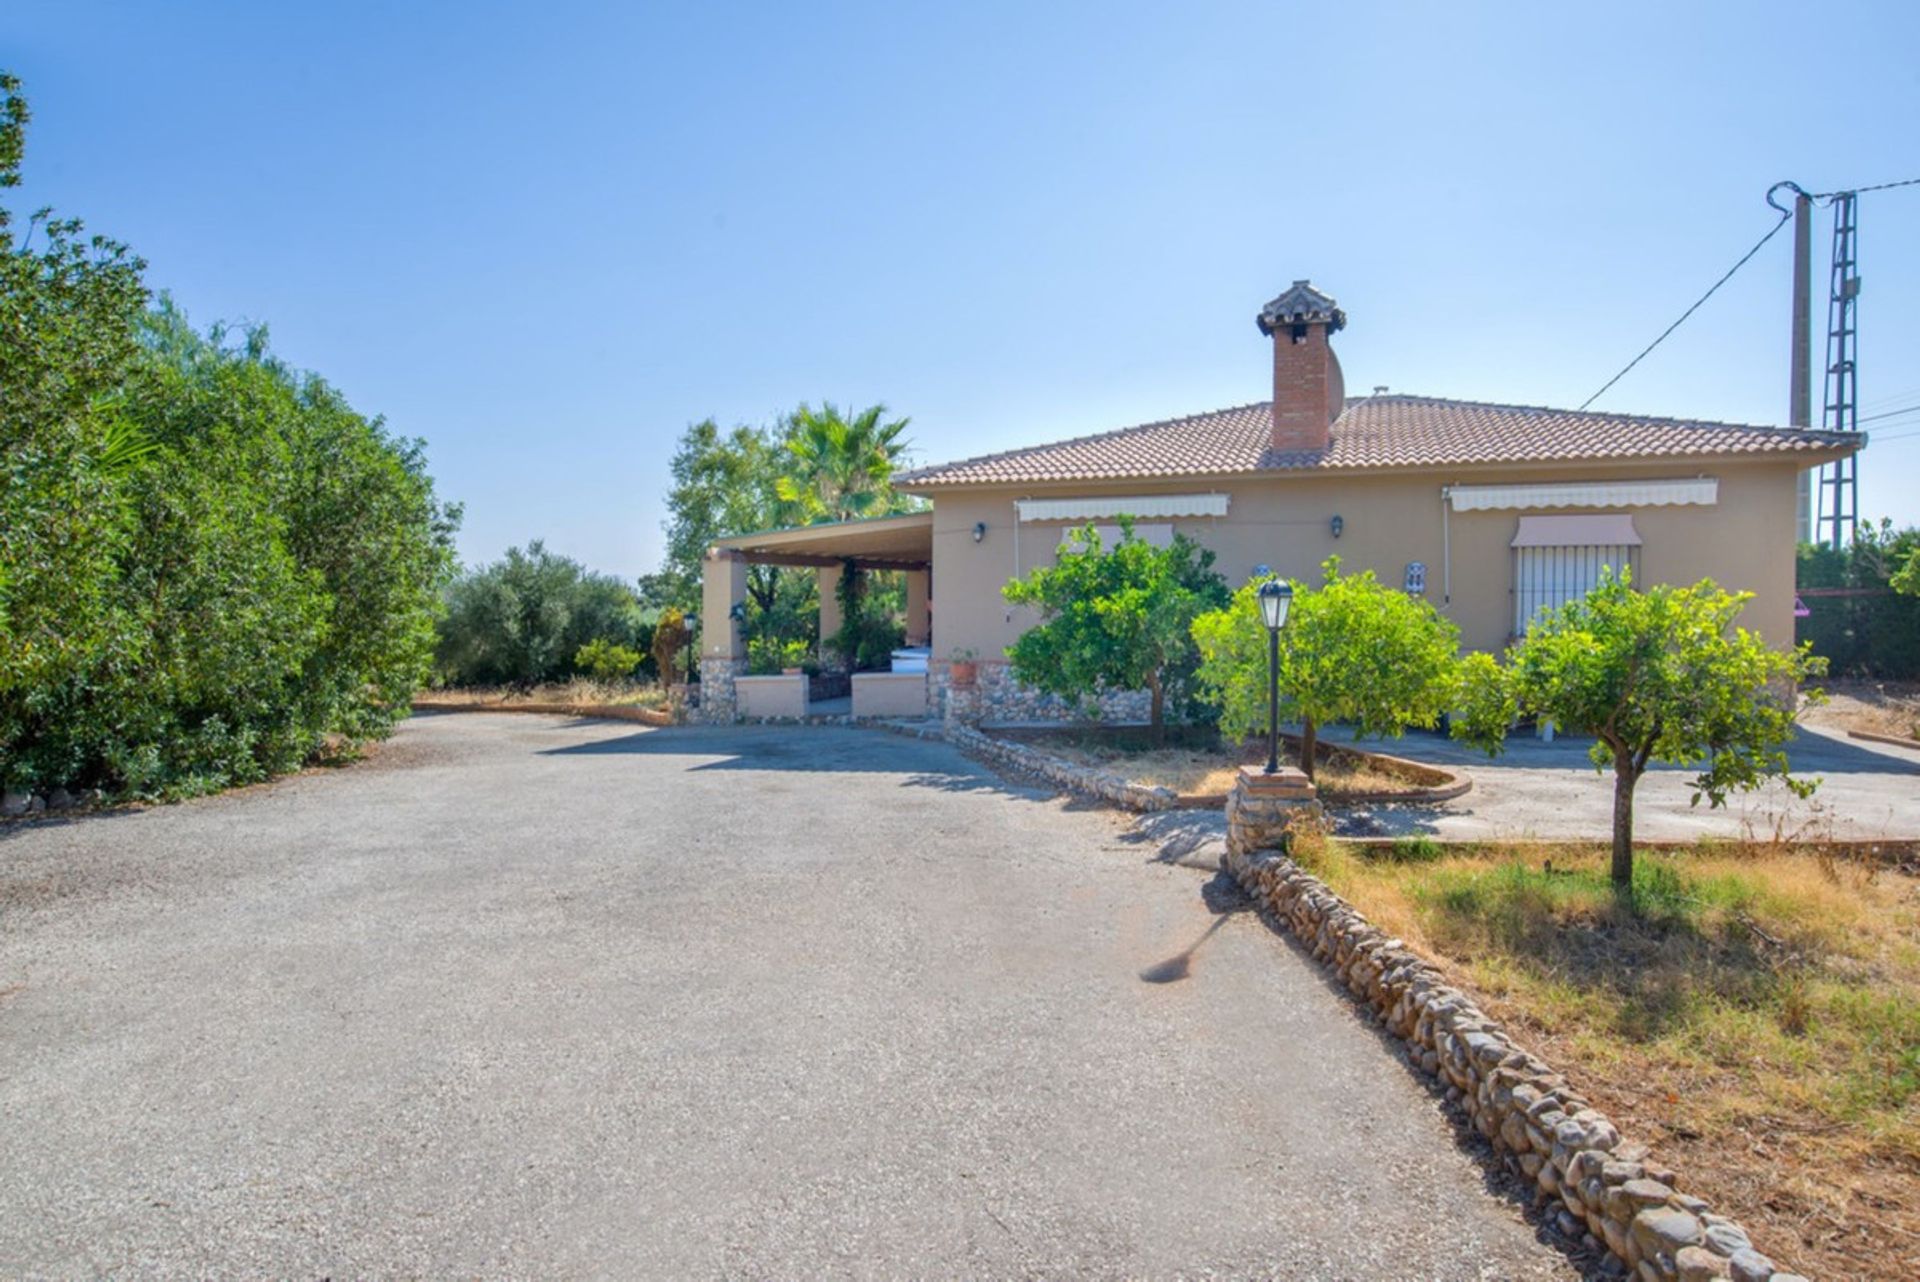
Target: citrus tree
x,y
1663,675
1118,618
1354,650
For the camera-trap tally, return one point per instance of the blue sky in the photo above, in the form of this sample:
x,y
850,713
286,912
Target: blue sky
x,y
546,237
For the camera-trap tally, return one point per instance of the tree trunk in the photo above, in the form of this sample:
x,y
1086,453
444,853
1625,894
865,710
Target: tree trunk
x,y
1156,717
1624,778
1308,743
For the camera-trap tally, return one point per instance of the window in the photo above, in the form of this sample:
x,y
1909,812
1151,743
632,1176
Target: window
x,y
1557,559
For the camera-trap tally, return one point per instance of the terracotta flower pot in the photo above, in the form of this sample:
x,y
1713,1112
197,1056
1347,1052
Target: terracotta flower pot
x,y
964,672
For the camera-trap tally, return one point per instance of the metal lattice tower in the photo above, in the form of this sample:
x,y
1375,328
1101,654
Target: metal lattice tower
x,y
1840,481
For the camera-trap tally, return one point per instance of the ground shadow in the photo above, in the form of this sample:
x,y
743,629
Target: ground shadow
x,y
926,763
1223,897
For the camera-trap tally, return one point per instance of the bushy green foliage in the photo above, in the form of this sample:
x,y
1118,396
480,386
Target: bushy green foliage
x,y
1906,579
1354,650
1115,618
871,629
767,656
1875,633
1663,675
606,660
524,619
209,563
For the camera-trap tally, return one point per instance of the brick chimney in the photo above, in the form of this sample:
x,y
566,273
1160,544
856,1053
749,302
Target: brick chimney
x,y
1308,390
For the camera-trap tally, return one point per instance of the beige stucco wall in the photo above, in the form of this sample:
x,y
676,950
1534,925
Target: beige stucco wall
x,y
889,694
1745,541
774,696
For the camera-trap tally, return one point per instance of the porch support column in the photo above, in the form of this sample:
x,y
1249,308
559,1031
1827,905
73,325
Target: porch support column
x,y
828,577
919,630
723,653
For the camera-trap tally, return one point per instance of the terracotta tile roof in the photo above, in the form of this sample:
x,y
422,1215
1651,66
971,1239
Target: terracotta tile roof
x,y
1374,431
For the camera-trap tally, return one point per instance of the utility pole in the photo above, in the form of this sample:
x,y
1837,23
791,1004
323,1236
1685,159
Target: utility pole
x,y
1800,393
1840,479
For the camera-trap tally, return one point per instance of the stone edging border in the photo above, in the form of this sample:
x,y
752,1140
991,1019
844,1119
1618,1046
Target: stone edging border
x,y
1873,736
1542,1129
1102,785
611,712
1099,785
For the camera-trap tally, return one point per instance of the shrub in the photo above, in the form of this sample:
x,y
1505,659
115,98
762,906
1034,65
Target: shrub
x,y
769,655
606,660
524,619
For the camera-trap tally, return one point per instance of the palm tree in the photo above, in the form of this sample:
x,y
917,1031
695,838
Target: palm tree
x,y
839,468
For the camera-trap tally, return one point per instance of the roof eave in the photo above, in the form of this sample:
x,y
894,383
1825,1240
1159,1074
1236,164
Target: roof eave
x,y
1808,457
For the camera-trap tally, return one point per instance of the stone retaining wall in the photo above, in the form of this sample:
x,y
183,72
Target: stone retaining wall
x,y
1597,1184
1084,780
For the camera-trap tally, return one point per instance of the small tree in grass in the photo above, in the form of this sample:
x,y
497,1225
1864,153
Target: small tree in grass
x,y
1117,618
1657,676
1354,650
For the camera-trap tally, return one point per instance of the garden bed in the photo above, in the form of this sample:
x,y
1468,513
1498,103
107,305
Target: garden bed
x,y
1195,763
1756,1016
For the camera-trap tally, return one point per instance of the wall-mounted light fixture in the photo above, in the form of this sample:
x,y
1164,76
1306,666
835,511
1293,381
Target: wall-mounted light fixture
x,y
979,531
1336,525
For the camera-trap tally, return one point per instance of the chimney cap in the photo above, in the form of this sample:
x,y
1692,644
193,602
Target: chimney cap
x,y
1302,304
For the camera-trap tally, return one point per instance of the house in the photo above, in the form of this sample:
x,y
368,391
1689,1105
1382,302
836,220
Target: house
x,y
1490,511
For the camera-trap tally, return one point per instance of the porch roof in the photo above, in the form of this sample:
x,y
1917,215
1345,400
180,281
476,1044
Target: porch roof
x,y
876,543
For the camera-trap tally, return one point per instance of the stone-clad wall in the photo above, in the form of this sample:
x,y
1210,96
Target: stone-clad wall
x,y
996,696
718,701
1542,1129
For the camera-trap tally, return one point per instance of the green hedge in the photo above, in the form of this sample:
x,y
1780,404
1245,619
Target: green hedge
x,y
1876,634
210,565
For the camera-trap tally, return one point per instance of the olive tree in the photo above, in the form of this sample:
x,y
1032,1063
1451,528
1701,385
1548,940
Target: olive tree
x,y
1354,650
1118,618
1663,675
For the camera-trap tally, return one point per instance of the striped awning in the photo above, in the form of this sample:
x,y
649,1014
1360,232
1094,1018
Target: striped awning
x,y
1106,508
1700,490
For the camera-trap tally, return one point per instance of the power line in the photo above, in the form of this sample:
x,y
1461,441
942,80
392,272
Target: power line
x,y
1874,418
1904,182
1771,233
1785,216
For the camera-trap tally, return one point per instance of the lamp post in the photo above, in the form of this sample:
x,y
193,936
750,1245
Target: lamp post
x,y
1276,596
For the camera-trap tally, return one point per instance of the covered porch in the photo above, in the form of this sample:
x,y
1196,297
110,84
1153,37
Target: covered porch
x,y
892,543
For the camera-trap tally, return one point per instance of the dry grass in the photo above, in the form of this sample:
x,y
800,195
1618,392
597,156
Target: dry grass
x,y
580,690
1754,1012
1877,707
1211,770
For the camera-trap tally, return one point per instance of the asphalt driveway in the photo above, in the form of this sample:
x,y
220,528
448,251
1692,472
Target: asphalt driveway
x,y
529,996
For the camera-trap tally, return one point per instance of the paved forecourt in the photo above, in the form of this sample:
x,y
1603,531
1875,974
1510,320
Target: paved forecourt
x,y
526,995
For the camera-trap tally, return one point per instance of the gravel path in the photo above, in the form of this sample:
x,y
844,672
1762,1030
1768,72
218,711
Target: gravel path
x,y
529,996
